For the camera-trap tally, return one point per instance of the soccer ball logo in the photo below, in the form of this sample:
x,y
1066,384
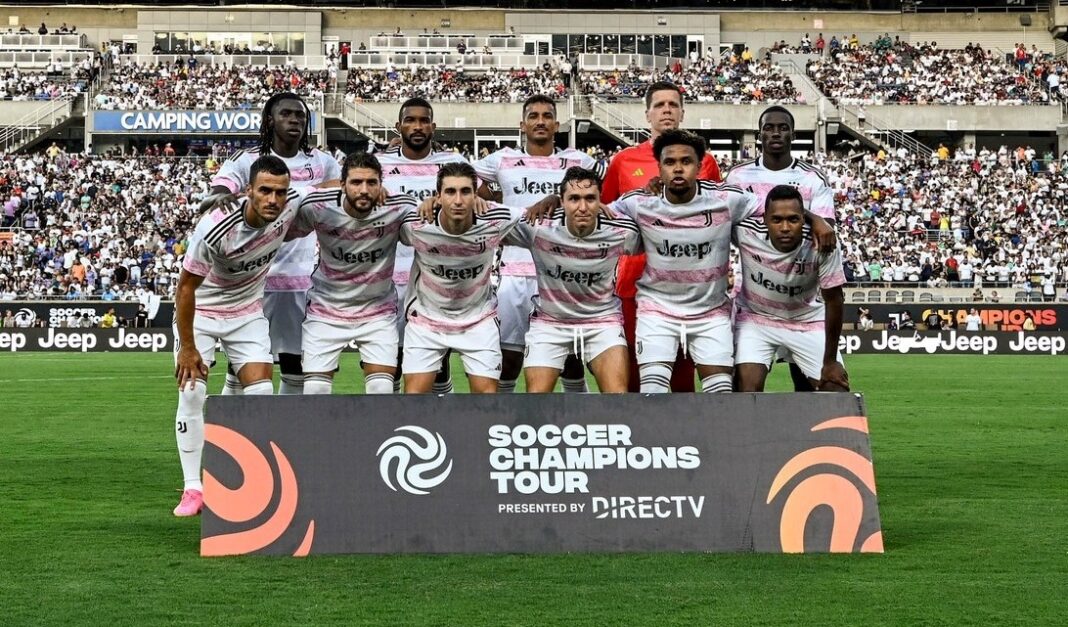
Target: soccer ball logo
x,y
417,462
25,317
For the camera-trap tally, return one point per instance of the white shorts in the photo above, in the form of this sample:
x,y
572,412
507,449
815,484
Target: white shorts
x,y
479,348
244,339
548,346
708,342
515,302
759,343
285,311
323,342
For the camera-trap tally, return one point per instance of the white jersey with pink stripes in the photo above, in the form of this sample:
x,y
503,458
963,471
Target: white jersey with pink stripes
x,y
577,276
524,180
783,288
755,177
687,249
234,258
417,178
353,282
450,288
294,263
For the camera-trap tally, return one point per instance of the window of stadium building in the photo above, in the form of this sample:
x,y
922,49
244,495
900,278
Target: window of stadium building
x,y
230,43
658,45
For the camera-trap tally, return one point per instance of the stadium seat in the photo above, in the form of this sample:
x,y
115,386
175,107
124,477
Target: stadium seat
x,y
908,296
926,297
875,296
956,299
858,297
891,296
1020,297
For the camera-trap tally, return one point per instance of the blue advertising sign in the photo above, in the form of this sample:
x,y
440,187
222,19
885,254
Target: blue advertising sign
x,y
159,122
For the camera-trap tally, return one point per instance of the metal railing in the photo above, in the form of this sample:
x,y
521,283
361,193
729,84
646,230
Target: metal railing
x,y
300,62
618,122
367,122
43,42
31,125
444,42
882,133
38,60
402,60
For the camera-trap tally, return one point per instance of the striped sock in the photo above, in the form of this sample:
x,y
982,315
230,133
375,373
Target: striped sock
x,y
716,383
265,387
291,384
318,384
505,387
574,386
442,388
233,386
378,383
655,378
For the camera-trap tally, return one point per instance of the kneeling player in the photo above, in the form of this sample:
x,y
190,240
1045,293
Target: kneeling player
x,y
220,298
352,298
576,310
778,305
450,302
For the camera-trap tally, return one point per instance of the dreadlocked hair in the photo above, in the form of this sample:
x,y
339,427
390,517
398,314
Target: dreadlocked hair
x,y
267,126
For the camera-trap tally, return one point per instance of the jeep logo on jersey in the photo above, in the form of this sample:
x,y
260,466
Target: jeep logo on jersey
x,y
771,286
567,276
418,194
417,462
667,249
364,256
527,186
253,264
456,274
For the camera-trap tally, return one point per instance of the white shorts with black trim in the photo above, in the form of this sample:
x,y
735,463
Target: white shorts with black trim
x,y
323,342
285,312
515,303
479,348
759,343
708,342
549,345
244,339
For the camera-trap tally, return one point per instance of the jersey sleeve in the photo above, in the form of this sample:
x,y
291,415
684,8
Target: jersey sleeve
x,y
522,235
610,183
516,215
199,257
487,167
823,202
597,166
625,206
632,243
743,205
233,174
331,169
304,222
709,169
831,273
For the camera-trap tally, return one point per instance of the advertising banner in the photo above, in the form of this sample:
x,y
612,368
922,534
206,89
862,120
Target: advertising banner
x,y
56,313
234,122
1047,317
150,340
953,342
538,473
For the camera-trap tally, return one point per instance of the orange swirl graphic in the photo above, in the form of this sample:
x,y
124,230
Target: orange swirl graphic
x,y
826,489
856,423
251,498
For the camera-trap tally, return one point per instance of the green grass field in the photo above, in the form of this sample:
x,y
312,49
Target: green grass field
x,y
971,461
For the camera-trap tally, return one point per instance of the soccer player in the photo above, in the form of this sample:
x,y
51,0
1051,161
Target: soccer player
x,y
450,303
411,167
631,170
576,311
220,298
777,166
525,178
782,273
352,298
284,133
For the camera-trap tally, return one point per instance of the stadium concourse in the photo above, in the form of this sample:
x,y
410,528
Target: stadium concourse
x,y
112,227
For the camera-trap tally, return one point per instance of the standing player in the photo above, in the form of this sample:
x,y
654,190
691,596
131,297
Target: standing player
x,y
631,170
450,302
525,178
411,168
777,166
352,296
284,133
576,311
782,273
682,293
220,298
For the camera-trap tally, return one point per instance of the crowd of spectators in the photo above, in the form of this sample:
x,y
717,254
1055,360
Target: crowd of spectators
x,y
452,84
100,227
53,82
186,84
894,71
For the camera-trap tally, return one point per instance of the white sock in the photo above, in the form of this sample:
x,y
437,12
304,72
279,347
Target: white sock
x,y
291,384
318,384
505,387
189,428
716,383
442,388
655,378
574,386
378,383
260,388
232,386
